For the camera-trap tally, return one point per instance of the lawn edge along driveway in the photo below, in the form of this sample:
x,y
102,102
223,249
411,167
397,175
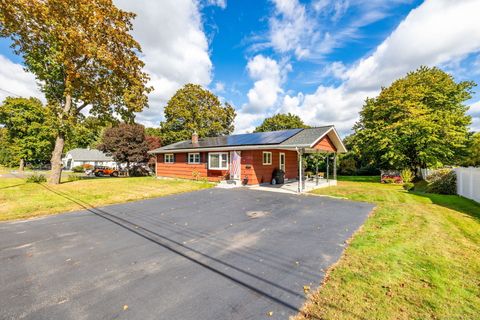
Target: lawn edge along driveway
x,y
21,200
416,257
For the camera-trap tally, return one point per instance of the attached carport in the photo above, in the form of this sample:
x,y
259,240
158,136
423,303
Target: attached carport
x,y
315,141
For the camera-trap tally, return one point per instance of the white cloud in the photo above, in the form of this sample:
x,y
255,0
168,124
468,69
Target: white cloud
x,y
14,80
434,33
175,48
290,27
263,96
219,87
310,31
268,75
219,3
475,113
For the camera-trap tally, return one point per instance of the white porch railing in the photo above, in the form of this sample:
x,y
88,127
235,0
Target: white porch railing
x,y
468,183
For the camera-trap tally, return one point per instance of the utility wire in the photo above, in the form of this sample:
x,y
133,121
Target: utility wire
x,y
10,92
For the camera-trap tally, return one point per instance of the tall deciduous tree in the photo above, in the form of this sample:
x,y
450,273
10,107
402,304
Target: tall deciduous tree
x,y
195,109
126,142
419,121
82,54
28,130
281,121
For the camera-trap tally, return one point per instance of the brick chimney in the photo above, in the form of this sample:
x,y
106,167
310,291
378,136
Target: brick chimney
x,y
194,138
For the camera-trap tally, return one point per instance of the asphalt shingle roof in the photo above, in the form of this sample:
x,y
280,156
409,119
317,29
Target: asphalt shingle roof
x,y
292,137
89,155
307,136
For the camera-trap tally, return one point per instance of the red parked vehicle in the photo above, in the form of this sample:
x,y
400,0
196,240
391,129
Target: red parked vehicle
x,y
105,171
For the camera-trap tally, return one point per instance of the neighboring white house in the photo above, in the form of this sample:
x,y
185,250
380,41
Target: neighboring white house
x,y
78,157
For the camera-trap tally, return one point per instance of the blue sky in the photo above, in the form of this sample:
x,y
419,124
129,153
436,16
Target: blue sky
x,y
319,59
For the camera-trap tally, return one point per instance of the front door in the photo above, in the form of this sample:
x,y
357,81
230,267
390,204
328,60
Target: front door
x,y
282,162
235,165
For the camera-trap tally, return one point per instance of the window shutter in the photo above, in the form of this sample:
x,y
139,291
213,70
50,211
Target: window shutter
x,y
174,157
186,157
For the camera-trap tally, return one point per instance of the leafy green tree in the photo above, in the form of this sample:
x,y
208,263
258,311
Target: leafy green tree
x,y
6,158
153,132
27,133
419,121
87,132
473,155
195,109
281,121
126,142
82,54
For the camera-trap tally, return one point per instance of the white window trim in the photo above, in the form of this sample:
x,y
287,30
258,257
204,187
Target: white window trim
x,y
263,158
280,161
220,162
169,155
193,162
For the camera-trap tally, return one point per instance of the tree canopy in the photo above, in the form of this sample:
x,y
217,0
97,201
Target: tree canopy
x,y
419,121
27,132
472,157
281,121
126,142
87,132
82,54
195,109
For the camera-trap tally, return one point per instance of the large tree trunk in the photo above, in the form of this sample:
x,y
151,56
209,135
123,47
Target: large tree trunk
x,y
21,166
56,160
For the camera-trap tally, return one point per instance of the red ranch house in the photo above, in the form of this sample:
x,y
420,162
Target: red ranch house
x,y
247,158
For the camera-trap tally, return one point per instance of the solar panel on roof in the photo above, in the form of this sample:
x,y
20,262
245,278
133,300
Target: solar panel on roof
x,y
258,138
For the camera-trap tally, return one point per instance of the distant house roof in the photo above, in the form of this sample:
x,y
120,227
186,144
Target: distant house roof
x,y
302,138
79,154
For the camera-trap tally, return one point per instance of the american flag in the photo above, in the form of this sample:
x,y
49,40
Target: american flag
x,y
235,166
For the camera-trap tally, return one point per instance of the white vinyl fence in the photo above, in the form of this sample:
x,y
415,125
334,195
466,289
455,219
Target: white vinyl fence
x,y
468,182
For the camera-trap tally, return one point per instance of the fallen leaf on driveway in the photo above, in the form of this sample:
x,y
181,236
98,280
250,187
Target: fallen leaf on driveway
x,y
125,307
270,313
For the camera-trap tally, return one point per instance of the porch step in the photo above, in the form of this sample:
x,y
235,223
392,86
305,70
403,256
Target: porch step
x,y
229,184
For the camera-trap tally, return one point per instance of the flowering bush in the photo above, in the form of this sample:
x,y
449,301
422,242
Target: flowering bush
x,y
391,179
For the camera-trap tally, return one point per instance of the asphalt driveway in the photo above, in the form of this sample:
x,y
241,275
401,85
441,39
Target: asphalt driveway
x,y
211,254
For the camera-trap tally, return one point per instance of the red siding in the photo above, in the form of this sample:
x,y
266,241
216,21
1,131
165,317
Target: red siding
x,y
325,144
251,167
256,172
182,169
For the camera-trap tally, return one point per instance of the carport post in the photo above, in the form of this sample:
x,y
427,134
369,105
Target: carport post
x,y
334,166
328,168
300,170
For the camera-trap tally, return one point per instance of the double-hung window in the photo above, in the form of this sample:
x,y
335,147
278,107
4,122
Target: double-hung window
x,y
267,158
169,158
218,160
194,158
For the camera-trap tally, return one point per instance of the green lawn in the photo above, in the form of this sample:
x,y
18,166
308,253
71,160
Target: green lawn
x,y
416,257
20,200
